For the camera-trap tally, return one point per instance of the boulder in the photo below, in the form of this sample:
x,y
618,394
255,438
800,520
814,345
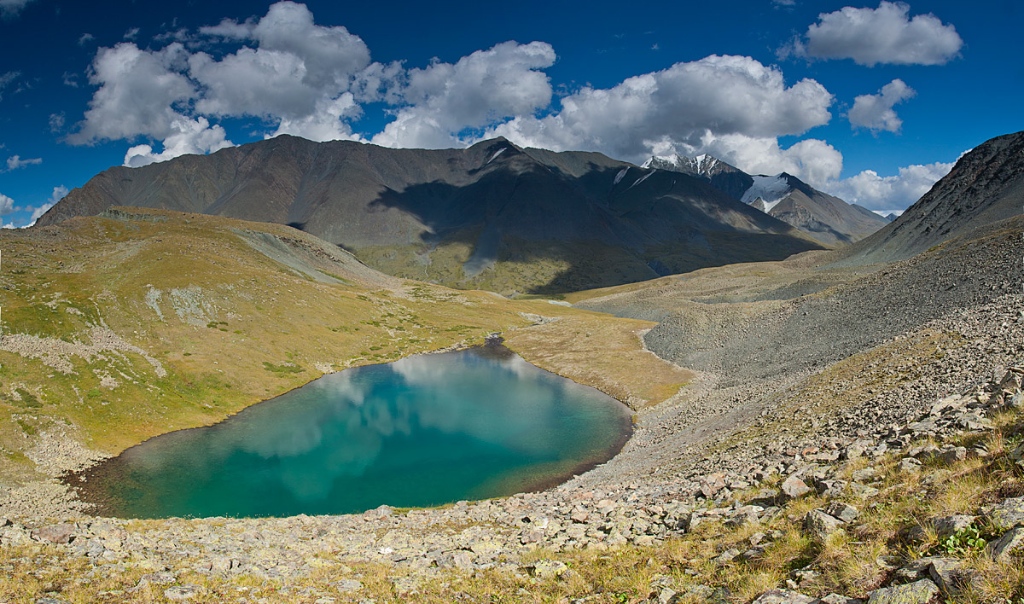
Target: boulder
x,y
842,511
1003,548
783,596
547,569
819,525
181,593
793,488
915,570
909,464
55,533
1008,514
945,572
951,525
918,592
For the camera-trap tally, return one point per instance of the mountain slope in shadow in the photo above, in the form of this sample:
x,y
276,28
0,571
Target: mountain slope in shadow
x,y
492,216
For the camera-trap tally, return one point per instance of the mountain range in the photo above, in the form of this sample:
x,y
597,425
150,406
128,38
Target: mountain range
x,y
492,216
824,217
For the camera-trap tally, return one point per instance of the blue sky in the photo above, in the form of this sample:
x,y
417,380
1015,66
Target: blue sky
x,y
871,101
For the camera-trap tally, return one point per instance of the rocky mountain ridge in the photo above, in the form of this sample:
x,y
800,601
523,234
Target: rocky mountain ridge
x,y
824,217
985,186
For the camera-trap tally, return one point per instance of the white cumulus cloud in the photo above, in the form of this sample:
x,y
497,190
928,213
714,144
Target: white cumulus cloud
x,y
288,71
296,66
59,192
682,107
885,194
327,122
875,111
137,95
14,162
811,160
11,8
6,205
444,99
886,35
187,136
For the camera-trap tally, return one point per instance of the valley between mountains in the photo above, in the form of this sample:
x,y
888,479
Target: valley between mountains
x,y
818,394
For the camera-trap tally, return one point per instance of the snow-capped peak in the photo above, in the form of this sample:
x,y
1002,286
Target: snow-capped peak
x,y
701,165
661,161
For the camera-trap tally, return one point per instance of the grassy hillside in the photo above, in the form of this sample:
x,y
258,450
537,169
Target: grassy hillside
x,y
121,327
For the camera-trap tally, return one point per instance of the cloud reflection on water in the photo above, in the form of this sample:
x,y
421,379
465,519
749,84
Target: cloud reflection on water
x,y
340,426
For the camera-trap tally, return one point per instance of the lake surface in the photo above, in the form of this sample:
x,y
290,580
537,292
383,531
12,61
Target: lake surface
x,y
422,431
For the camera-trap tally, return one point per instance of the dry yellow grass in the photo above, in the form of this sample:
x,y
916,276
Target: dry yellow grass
x,y
608,354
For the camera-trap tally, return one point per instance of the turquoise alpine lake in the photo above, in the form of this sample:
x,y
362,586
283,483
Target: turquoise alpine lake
x,y
423,431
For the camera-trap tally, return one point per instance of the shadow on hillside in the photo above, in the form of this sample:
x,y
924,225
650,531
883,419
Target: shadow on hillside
x,y
599,227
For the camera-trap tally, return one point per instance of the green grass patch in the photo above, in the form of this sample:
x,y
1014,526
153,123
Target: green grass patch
x,y
282,369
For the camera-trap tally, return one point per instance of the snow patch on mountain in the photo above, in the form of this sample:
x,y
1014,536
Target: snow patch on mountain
x,y
496,154
642,178
620,175
771,190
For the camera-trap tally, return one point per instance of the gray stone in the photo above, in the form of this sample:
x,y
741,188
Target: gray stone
x,y
950,455
974,422
945,572
793,487
1008,514
1003,548
909,464
180,593
928,424
726,557
832,488
840,599
854,451
712,484
783,596
754,553
842,511
819,525
748,514
865,475
666,595
349,585
919,592
406,586
158,578
915,570
765,497
49,600
863,491
951,525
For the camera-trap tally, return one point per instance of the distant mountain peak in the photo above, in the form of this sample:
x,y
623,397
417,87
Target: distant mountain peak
x,y
704,166
828,219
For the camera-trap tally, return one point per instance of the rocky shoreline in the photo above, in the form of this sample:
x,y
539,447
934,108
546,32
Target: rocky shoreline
x,y
671,476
